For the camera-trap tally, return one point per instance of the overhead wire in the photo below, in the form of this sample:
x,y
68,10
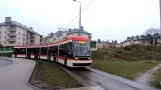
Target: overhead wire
x,y
78,14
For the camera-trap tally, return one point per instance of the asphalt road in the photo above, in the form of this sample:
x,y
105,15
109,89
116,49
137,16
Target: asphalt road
x,y
15,75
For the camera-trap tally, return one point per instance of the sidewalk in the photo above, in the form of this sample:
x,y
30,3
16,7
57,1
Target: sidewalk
x,y
15,76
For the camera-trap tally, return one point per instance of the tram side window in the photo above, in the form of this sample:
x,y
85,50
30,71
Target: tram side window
x,y
70,52
70,47
43,51
63,49
50,50
21,51
60,50
55,50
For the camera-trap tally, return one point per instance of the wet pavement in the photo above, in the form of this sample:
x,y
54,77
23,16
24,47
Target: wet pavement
x,y
4,62
126,82
15,76
147,77
95,78
85,88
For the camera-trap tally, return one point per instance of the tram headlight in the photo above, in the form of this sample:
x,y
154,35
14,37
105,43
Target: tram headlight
x,y
75,58
89,58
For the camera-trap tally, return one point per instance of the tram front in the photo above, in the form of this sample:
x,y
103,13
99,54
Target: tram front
x,y
81,53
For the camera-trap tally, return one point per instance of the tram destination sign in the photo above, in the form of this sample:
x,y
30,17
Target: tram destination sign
x,y
81,42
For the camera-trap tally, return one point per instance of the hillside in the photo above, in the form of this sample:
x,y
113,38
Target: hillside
x,y
130,53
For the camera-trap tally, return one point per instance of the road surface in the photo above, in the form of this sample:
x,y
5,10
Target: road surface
x,y
15,76
92,77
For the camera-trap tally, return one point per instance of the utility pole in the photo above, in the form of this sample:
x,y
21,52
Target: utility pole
x,y
160,14
59,29
79,15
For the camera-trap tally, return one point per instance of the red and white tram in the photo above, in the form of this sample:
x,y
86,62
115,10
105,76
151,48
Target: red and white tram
x,y
74,51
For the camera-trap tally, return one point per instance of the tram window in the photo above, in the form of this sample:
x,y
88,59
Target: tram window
x,y
70,46
21,51
65,47
44,50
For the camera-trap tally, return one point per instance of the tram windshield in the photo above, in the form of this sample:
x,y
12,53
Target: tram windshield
x,y
81,48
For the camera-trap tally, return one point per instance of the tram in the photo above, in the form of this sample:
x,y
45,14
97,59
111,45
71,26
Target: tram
x,y
74,51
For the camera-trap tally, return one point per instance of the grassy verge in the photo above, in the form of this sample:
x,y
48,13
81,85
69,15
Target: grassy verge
x,y
124,69
48,75
157,79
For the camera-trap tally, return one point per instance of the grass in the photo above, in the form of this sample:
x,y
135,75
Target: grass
x,y
131,53
157,79
51,74
124,69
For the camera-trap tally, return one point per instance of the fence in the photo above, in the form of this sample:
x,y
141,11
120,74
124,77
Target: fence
x,y
6,48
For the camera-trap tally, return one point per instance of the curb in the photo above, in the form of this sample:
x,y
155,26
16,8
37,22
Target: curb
x,y
27,82
71,75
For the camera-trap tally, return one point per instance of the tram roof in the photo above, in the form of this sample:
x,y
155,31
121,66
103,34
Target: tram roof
x,y
75,38
32,46
81,38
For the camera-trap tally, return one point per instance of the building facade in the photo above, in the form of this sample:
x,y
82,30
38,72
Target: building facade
x,y
13,33
107,44
60,35
141,40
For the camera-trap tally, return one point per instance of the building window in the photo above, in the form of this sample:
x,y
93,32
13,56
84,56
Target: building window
x,y
0,27
11,43
5,42
19,33
18,37
5,32
5,37
19,43
0,32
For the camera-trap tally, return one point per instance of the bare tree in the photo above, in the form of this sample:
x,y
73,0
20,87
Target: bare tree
x,y
152,35
152,31
51,34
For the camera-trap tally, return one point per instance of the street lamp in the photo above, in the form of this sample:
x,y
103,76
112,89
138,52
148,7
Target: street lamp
x,y
160,14
79,14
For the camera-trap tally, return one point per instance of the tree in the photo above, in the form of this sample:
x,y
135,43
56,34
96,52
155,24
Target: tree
x,y
50,34
152,35
99,41
144,39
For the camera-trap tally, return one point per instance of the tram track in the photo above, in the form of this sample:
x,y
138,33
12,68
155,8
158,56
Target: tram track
x,y
87,77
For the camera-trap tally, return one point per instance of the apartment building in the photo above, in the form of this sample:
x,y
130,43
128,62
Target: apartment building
x,y
107,44
140,40
14,33
60,35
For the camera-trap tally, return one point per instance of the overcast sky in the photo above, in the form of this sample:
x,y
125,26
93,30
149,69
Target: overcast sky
x,y
105,19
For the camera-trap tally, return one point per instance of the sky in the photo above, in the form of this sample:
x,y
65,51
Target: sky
x,y
105,19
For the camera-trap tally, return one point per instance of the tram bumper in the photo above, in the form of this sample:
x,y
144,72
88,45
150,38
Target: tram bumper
x,y
79,63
